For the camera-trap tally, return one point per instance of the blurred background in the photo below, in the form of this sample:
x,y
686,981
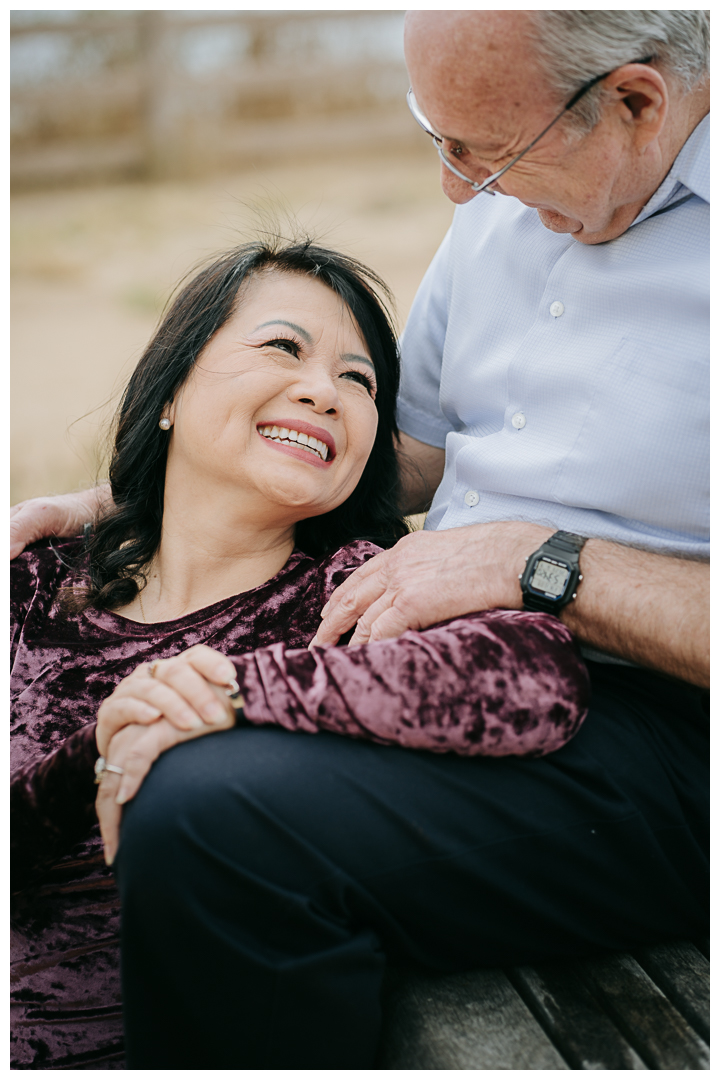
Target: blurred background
x,y
143,141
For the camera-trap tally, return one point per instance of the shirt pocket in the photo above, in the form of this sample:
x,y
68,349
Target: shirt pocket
x,y
641,451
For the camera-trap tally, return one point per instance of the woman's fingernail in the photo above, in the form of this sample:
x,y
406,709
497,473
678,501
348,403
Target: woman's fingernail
x,y
108,857
313,642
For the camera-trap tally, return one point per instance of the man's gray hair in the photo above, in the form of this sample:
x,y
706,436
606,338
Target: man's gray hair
x,y
575,46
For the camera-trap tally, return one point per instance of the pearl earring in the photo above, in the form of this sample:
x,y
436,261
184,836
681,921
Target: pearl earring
x,y
165,424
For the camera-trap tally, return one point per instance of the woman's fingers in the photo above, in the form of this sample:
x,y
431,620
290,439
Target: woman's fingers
x,y
184,689
116,712
139,758
187,698
208,662
109,814
156,693
188,676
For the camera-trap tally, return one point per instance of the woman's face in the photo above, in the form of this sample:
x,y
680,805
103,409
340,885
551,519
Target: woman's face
x,y
280,405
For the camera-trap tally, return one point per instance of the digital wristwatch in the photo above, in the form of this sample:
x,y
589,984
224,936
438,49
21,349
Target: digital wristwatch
x,y
552,573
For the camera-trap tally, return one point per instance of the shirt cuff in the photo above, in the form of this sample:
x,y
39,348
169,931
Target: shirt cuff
x,y
422,426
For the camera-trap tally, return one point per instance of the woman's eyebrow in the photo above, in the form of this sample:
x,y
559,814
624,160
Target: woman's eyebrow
x,y
353,358
293,326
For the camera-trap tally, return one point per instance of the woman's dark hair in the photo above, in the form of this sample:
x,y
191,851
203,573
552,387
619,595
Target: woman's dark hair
x,y
125,539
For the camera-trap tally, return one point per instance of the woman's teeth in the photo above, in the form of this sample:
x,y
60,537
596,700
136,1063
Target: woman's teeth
x,y
288,437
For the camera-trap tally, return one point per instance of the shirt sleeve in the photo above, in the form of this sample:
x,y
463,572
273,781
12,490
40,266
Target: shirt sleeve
x,y
421,348
496,683
52,798
24,578
52,806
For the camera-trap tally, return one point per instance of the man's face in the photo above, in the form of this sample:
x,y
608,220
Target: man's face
x,y
475,77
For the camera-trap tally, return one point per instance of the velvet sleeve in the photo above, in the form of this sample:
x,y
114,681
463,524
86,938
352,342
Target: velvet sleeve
x,y
52,806
495,683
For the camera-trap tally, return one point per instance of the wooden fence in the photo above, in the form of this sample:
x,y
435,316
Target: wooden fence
x,y
133,94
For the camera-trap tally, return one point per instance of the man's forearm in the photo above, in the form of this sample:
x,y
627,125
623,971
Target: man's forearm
x,y
421,470
651,609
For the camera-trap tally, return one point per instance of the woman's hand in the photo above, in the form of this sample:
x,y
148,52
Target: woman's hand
x,y
134,749
183,690
158,706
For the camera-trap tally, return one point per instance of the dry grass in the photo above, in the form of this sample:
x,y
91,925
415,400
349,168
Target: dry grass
x,y
91,269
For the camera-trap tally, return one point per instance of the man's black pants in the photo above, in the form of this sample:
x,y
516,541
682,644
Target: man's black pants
x,y
266,876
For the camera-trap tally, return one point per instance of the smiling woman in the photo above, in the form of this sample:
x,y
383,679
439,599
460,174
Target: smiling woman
x,y
288,337
253,470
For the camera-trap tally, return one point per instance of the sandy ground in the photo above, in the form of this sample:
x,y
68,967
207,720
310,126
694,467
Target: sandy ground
x,y
91,269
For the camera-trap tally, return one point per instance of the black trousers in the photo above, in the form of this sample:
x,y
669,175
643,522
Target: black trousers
x,y
267,876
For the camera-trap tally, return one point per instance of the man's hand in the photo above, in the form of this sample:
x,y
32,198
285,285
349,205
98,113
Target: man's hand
x,y
431,576
56,515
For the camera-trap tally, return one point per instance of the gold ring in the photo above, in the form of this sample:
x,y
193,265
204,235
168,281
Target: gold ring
x,y
152,668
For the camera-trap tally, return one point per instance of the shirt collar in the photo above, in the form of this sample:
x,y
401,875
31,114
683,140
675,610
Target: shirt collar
x,y
690,172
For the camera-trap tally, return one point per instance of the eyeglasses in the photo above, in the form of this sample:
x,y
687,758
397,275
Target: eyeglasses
x,y
485,185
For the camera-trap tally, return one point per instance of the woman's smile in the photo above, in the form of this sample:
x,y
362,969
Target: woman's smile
x,y
300,439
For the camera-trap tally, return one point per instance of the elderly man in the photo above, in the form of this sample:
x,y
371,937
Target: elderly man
x,y
554,402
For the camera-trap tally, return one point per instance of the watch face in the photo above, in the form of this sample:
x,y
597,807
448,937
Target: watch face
x,y
549,578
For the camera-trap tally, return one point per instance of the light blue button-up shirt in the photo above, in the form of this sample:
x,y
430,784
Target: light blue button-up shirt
x,y
568,383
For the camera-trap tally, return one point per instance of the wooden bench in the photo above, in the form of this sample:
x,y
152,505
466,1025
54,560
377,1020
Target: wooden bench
x,y
648,1010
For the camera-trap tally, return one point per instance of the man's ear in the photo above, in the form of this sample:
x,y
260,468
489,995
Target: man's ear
x,y
642,98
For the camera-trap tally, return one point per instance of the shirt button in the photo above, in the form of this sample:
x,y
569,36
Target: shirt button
x,y
471,498
556,308
518,421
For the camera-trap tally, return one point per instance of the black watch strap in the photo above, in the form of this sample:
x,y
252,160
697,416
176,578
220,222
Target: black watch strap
x,y
567,541
566,547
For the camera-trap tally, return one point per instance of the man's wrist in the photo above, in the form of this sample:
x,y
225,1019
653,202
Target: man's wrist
x,y
515,541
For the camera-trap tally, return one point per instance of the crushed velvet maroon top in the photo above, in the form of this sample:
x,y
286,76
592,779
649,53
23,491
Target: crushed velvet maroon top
x,y
495,683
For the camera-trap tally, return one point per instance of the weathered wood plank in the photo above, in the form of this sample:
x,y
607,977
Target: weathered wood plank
x,y
470,1021
573,1018
683,973
661,1036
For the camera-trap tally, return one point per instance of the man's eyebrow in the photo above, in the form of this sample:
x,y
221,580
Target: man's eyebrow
x,y
353,358
293,326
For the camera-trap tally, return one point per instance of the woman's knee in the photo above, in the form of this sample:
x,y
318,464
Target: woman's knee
x,y
235,797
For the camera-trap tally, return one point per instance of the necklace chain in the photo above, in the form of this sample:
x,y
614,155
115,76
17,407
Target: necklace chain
x,y
142,609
